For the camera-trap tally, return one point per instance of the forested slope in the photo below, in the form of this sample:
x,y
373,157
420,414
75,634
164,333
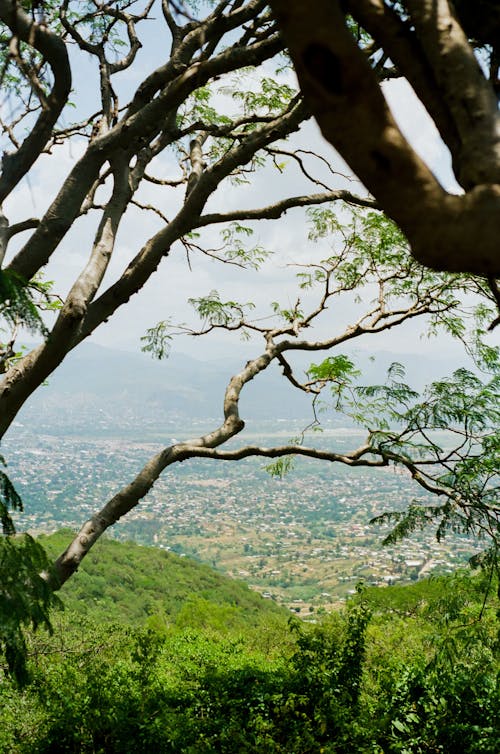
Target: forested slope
x,y
168,656
127,583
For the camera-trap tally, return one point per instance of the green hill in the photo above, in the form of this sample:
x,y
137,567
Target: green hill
x,y
157,653
127,583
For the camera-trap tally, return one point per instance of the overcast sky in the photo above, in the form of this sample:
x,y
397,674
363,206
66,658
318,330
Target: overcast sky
x,y
165,296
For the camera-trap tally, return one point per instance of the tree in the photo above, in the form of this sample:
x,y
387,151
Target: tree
x,y
122,146
449,54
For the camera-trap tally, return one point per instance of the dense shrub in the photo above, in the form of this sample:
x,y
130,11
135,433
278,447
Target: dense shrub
x,y
400,671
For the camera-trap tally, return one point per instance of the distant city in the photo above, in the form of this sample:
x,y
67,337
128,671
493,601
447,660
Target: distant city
x,y
304,541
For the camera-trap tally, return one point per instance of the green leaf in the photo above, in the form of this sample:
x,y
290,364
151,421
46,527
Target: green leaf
x,y
281,467
215,312
334,369
158,339
400,726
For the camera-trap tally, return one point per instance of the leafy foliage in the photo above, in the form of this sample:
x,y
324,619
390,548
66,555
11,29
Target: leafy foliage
x,y
235,250
447,438
25,598
270,97
370,252
437,693
9,500
401,669
20,303
216,697
157,340
281,467
214,312
128,583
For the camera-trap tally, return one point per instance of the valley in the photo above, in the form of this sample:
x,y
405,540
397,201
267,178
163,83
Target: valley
x,y
303,541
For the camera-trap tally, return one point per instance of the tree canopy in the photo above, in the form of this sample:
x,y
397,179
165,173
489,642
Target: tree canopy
x,y
173,140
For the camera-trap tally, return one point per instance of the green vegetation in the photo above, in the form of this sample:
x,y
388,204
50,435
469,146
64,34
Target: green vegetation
x,y
25,598
127,583
183,116
211,667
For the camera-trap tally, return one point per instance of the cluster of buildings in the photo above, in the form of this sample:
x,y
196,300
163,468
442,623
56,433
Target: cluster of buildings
x,y
304,541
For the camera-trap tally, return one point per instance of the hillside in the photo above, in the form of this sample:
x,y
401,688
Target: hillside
x,y
127,583
402,669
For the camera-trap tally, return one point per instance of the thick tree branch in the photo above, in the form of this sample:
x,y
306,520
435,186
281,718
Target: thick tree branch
x,y
130,134
196,161
337,75
446,232
27,374
190,42
275,211
405,51
379,450
470,98
146,262
130,495
79,317
366,455
53,49
22,226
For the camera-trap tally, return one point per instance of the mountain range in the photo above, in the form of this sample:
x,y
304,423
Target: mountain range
x,y
103,390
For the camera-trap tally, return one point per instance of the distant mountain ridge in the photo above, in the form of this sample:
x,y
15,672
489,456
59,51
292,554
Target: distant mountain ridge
x,y
102,389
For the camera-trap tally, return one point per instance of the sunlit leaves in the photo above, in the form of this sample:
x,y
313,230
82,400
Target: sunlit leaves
x,y
377,407
157,340
280,468
258,98
269,97
309,279
462,399
399,668
235,249
337,373
334,369
322,222
329,662
370,254
294,314
198,107
447,437
213,311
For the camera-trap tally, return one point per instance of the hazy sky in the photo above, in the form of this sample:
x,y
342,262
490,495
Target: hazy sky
x,y
165,296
